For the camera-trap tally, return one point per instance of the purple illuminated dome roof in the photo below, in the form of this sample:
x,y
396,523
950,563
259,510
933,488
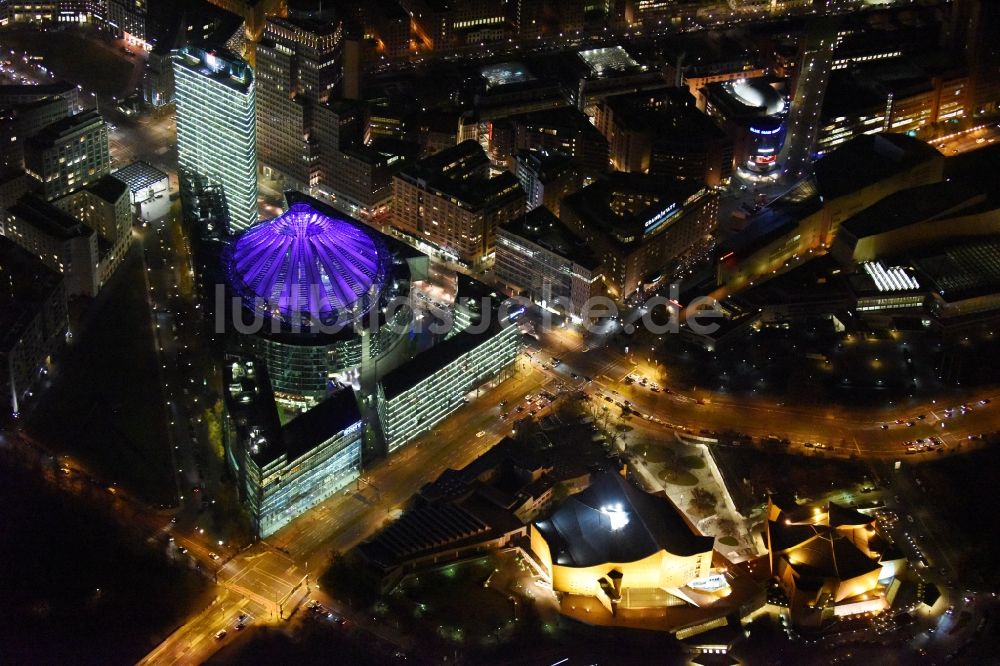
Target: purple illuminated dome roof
x,y
306,264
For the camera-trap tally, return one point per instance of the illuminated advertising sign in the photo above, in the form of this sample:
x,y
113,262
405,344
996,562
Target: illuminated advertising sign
x,y
654,222
765,132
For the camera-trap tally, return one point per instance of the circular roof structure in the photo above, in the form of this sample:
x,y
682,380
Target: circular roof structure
x,y
304,264
758,94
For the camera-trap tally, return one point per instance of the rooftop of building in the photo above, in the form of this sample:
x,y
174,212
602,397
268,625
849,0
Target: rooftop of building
x,y
924,203
761,96
306,264
868,159
546,165
51,134
824,543
630,205
977,167
567,118
613,521
41,89
337,413
961,270
609,59
667,113
505,73
109,188
481,500
462,172
543,228
306,22
775,219
707,52
425,364
250,404
139,175
218,64
25,284
47,218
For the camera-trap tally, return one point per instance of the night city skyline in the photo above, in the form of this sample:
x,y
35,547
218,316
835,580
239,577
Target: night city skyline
x,y
535,332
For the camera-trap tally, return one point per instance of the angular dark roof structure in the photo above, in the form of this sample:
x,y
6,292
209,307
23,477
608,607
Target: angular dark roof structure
x,y
615,521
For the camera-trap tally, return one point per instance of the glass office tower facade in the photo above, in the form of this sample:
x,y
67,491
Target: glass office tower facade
x,y
217,127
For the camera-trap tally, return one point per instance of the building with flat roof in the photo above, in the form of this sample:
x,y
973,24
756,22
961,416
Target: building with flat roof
x,y
104,206
20,121
33,321
565,130
68,154
831,562
62,242
449,203
546,177
915,217
284,470
641,227
419,394
438,25
217,127
662,133
540,258
15,94
896,95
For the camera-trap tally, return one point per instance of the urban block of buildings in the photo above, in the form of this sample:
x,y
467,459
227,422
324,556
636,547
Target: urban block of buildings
x,y
449,204
479,352
642,227
33,321
539,258
283,470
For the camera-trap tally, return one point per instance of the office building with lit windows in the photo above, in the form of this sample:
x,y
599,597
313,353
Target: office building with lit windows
x,y
438,26
890,96
63,243
564,130
418,395
642,228
539,258
448,203
299,64
662,133
217,127
285,470
68,154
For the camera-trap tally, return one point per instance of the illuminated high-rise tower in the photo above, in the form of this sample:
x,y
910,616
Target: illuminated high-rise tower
x,y
810,89
217,127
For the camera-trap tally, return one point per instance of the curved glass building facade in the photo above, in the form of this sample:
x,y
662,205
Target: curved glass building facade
x,y
319,282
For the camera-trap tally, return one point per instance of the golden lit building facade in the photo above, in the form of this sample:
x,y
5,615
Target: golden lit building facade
x,y
625,548
831,562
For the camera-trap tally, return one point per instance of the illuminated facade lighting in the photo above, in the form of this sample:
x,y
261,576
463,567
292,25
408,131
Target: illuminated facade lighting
x,y
217,127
